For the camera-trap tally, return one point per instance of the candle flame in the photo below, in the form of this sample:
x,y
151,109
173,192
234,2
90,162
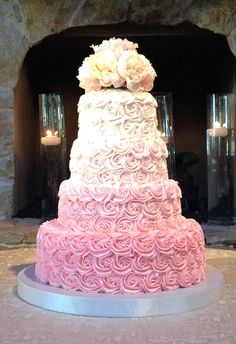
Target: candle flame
x,y
218,125
49,133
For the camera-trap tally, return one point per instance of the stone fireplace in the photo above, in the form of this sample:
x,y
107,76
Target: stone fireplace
x,y
191,45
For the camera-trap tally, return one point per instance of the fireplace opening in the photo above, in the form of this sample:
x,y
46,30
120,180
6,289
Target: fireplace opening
x,y
190,64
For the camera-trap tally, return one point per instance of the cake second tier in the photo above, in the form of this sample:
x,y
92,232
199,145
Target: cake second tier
x,y
117,208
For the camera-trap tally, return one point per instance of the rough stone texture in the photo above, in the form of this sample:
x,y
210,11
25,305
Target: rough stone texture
x,y
6,197
24,23
13,42
24,323
93,12
18,232
6,98
6,156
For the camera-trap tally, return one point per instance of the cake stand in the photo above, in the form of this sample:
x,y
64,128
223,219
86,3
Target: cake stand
x,y
120,305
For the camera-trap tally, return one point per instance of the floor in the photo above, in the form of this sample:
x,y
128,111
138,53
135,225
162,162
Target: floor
x,y
22,323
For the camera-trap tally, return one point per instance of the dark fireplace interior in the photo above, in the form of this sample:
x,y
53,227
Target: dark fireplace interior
x,y
190,63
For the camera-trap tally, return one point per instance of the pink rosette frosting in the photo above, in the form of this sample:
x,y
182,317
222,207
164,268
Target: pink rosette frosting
x,y
161,263
111,209
148,164
179,260
84,193
192,242
132,283
191,259
122,146
140,193
107,177
97,163
69,262
133,209
173,191
99,245
70,280
141,177
103,224
54,277
102,265
158,192
140,149
82,224
56,261
132,111
165,245
84,264
116,161
122,264
197,275
152,282
111,284
121,194
89,208
100,193
170,280
122,244
180,242
77,244
124,225
144,245
186,278
146,224
142,264
91,283
152,208
130,163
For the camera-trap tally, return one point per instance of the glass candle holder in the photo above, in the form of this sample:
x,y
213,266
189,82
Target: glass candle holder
x,y
220,139
166,128
52,150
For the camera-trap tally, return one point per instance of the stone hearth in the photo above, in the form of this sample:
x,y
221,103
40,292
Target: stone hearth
x,y
24,24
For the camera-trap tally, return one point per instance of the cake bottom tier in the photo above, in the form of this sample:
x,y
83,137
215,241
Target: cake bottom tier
x,y
160,259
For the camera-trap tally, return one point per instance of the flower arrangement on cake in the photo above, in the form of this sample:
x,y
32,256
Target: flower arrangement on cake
x,y
116,63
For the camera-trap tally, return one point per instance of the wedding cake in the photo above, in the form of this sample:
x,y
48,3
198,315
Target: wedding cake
x,y
119,227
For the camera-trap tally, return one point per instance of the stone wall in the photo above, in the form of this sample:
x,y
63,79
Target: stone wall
x,y
24,23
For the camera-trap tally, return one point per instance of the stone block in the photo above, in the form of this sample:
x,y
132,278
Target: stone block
x,y
6,128
10,237
6,98
13,43
94,12
7,166
6,198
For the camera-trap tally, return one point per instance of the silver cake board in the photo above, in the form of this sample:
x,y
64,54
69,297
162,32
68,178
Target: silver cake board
x,y
120,305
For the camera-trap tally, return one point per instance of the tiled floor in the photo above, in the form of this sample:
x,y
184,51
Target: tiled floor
x,y
22,323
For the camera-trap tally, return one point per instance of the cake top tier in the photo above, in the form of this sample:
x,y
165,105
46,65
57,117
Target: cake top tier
x,y
116,63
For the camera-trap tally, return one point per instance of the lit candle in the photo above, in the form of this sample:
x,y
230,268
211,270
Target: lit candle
x,y
218,130
50,139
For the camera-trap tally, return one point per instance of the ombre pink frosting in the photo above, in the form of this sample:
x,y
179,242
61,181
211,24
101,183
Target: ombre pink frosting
x,y
119,226
164,257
